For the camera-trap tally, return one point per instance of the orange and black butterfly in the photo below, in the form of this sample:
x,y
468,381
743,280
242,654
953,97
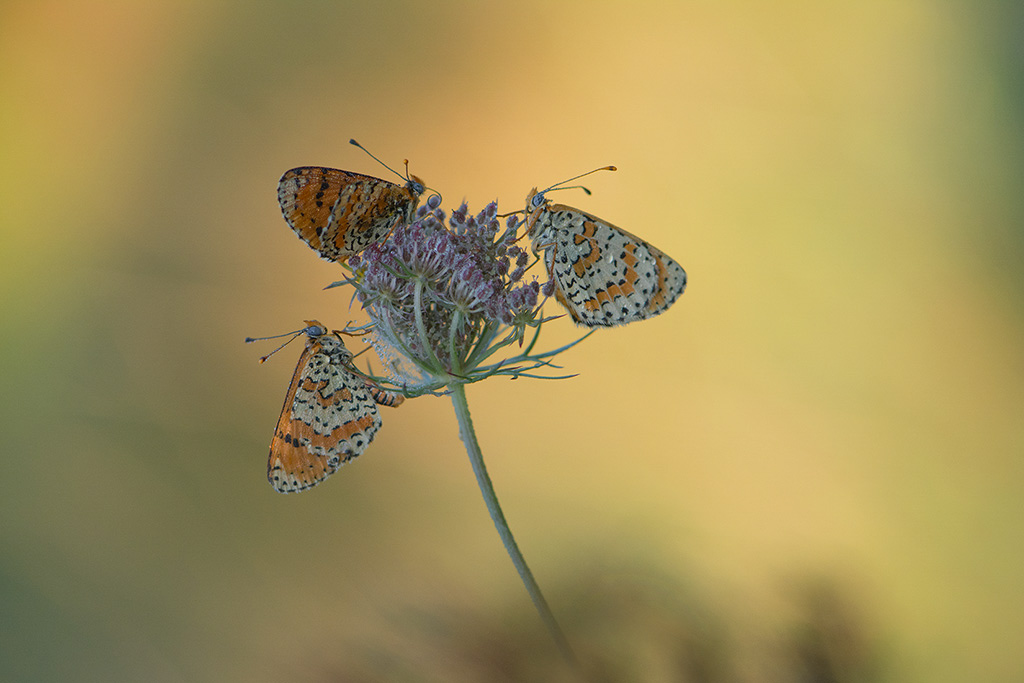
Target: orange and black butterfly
x,y
340,213
329,415
603,275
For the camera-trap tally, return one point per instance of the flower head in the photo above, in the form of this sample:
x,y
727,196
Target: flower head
x,y
445,293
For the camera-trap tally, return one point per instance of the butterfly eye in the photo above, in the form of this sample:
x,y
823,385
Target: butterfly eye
x,y
417,188
315,331
538,200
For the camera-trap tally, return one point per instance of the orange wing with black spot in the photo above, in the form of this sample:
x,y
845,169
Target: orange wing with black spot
x,y
329,415
340,213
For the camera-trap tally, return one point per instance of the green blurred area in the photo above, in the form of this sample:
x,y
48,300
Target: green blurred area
x,y
809,469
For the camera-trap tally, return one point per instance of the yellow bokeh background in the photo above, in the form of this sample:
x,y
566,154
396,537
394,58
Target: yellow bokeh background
x,y
812,465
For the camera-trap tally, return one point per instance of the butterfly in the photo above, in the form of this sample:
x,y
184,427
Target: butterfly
x,y
603,275
329,415
340,213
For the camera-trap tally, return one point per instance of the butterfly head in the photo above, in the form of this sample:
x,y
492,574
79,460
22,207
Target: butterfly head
x,y
330,343
415,185
536,201
314,329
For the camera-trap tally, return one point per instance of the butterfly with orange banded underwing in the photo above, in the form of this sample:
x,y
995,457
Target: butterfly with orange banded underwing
x,y
603,275
329,415
340,213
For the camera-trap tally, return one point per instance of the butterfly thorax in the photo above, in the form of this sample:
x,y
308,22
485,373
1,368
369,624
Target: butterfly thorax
x,y
332,346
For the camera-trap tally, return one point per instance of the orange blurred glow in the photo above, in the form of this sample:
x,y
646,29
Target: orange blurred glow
x,y
814,456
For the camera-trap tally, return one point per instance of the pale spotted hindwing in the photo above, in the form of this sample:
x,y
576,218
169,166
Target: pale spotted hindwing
x,y
329,415
603,275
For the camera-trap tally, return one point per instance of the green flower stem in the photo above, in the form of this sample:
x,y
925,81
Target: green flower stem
x,y
421,327
453,332
483,480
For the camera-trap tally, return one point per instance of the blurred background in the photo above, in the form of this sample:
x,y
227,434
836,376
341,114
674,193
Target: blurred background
x,y
809,469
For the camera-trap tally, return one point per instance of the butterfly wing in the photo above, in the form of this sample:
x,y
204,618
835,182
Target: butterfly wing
x,y
340,213
328,418
604,275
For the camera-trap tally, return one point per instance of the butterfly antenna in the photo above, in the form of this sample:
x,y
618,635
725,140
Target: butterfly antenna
x,y
569,187
353,142
263,359
250,340
581,175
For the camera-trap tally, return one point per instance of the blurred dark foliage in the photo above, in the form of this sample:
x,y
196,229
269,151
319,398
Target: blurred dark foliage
x,y
627,627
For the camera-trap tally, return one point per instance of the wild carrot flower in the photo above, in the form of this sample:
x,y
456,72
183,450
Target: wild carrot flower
x,y
450,304
446,300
